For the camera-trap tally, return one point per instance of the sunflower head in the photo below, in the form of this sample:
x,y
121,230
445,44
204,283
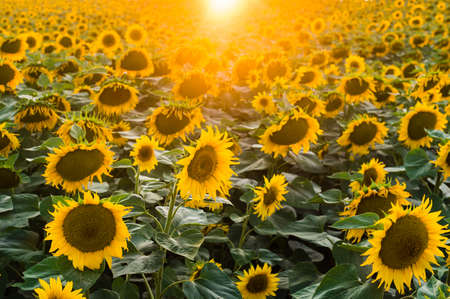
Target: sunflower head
x,y
372,172
117,129
135,35
32,73
355,64
309,76
192,86
88,231
135,62
93,126
309,103
334,103
108,41
8,141
264,103
55,289
357,88
258,282
10,76
36,116
143,153
268,198
200,265
443,160
9,177
13,49
116,98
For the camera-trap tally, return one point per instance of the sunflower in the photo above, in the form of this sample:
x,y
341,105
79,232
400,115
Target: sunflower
x,y
429,83
443,159
143,153
372,172
317,26
54,289
309,103
36,117
412,70
391,70
74,166
68,67
91,79
206,170
188,57
94,129
318,59
88,232
10,76
135,63
64,42
406,246
383,94
334,103
362,133
169,122
258,283
243,67
412,127
295,130
264,103
309,76
32,73
116,129
377,200
9,177
416,22
355,64
108,41
116,98
254,79
418,41
49,48
332,73
192,86
135,35
357,88
8,141
33,40
268,198
200,265
275,69
13,49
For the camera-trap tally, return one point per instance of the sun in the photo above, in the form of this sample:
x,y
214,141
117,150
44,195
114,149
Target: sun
x,y
222,7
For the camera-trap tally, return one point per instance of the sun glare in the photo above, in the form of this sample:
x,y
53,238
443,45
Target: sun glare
x,y
223,7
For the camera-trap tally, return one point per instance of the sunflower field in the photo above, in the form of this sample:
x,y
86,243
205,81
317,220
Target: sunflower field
x,y
208,149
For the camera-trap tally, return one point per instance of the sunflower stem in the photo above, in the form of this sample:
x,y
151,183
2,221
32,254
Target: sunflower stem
x,y
136,181
244,228
147,286
438,182
173,284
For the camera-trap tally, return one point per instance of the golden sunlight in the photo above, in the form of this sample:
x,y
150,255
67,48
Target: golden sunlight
x,y
222,7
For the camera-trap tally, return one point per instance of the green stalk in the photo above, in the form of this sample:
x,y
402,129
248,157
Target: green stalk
x,y
244,228
147,286
137,184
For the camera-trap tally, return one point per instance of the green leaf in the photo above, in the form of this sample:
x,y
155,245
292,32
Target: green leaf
x,y
367,290
358,221
331,196
51,143
123,163
301,275
186,244
76,132
25,206
21,246
437,134
338,280
185,216
104,294
54,266
300,191
433,288
6,203
212,283
242,256
43,81
308,162
344,175
417,164
136,263
126,289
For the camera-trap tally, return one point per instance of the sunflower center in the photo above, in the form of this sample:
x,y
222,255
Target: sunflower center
x,y
419,122
31,42
356,86
35,117
404,243
418,40
93,79
194,86
11,46
445,91
318,59
171,124
49,49
369,176
430,84
363,133
79,164
375,204
447,160
134,61
66,42
145,153
307,77
333,103
34,73
68,67
306,104
136,35
203,164
7,74
410,71
354,64
4,141
276,69
108,40
263,102
270,196
292,132
8,178
89,228
115,95
257,283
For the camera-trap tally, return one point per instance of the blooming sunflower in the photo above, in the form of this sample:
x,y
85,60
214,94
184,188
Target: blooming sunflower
x,y
309,76
116,133
429,83
32,73
268,198
200,265
317,25
355,64
412,127
406,246
206,170
74,166
64,42
377,200
88,232
13,49
443,160
9,177
243,67
412,70
275,69
192,86
169,122
33,40
309,103
334,103
135,63
318,59
10,76
383,94
264,103
36,117
116,98
54,289
258,283
93,127
372,172
363,133
108,41
143,153
357,88
8,141
418,41
135,35
295,130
